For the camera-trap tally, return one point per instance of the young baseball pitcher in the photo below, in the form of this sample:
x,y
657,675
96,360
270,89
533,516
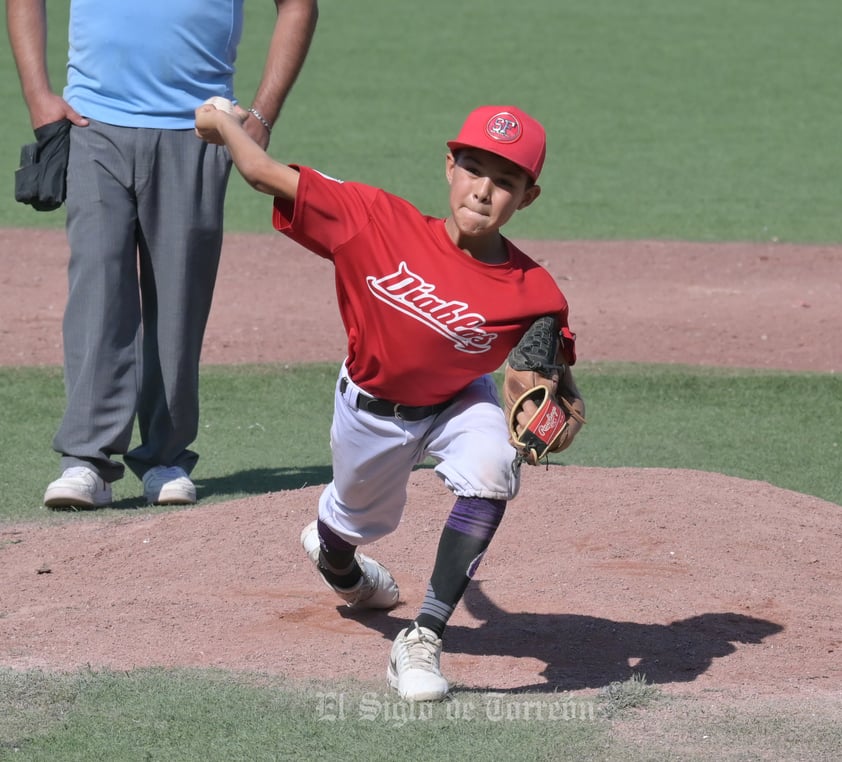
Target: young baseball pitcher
x,y
431,308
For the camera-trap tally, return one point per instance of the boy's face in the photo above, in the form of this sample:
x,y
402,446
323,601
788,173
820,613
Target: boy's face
x,y
486,190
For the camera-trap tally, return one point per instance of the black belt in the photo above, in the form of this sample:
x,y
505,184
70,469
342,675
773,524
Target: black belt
x,y
388,409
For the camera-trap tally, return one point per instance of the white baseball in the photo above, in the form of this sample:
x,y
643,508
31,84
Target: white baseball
x,y
222,104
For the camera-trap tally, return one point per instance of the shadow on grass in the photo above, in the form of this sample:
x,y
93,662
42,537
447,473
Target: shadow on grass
x,y
256,481
582,652
259,481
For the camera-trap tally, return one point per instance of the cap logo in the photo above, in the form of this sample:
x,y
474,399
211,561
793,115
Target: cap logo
x,y
503,127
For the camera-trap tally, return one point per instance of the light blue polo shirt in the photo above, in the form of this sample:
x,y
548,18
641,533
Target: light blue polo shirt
x,y
150,63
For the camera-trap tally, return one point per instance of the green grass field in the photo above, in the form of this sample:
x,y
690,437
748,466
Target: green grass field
x,y
639,416
707,121
712,120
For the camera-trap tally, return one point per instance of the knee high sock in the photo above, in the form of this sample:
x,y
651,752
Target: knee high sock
x,y
336,559
464,540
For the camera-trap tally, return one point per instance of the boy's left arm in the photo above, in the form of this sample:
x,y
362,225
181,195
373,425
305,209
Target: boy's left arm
x,y
543,405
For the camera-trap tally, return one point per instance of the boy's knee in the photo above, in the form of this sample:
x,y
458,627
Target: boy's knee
x,y
489,471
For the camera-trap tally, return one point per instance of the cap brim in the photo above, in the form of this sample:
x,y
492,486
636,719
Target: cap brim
x,y
455,145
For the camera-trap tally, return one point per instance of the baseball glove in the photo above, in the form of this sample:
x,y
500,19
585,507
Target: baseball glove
x,y
544,409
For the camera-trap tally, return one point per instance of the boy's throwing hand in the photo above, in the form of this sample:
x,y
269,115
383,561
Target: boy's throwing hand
x,y
209,118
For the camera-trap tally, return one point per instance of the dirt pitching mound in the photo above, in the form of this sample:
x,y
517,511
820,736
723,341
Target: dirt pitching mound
x,y
699,581
696,580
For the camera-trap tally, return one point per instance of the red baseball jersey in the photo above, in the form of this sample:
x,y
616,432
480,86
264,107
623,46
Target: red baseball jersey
x,y
423,318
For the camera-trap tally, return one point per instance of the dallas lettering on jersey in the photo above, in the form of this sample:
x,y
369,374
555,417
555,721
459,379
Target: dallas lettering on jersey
x,y
412,295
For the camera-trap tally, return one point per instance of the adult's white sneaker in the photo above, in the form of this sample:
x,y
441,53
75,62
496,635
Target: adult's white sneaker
x,y
414,670
78,487
376,589
171,485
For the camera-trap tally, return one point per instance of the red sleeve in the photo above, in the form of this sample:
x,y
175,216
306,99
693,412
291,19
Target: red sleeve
x,y
326,212
547,299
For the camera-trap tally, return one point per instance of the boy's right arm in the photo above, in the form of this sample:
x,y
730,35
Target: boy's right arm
x,y
258,169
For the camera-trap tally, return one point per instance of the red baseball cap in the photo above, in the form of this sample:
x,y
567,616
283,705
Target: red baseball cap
x,y
508,132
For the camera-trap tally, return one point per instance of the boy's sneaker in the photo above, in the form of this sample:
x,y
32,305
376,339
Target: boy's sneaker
x,y
78,487
168,486
414,665
376,589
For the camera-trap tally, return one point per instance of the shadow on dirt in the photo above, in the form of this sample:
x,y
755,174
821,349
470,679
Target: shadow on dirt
x,y
590,652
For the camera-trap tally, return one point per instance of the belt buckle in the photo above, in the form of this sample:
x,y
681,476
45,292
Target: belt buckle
x,y
398,413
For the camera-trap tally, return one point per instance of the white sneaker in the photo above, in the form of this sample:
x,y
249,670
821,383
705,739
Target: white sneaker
x,y
414,665
168,486
78,487
376,589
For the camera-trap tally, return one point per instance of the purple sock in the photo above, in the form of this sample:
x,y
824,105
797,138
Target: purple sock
x,y
336,558
476,516
464,540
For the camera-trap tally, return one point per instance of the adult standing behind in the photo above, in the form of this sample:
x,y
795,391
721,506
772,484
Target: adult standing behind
x,y
144,219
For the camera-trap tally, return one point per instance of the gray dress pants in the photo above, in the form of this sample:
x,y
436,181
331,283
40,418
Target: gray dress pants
x,y
144,225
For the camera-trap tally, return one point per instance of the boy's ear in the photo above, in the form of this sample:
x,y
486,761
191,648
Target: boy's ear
x,y
449,164
530,195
